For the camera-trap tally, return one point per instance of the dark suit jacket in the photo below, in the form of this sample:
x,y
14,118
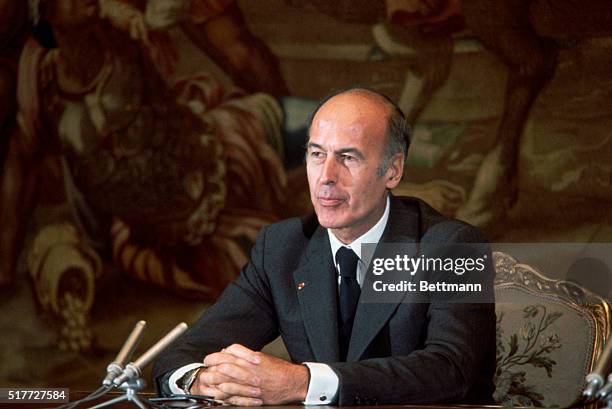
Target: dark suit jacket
x,y
399,352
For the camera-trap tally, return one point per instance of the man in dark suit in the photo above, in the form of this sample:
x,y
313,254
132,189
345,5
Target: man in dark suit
x,y
307,281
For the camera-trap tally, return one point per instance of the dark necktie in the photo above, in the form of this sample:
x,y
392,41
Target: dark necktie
x,y
349,296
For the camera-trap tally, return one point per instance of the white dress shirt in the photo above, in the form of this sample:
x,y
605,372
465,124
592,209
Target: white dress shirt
x,y
323,385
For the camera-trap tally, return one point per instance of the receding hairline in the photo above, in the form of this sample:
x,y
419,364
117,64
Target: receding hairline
x,y
368,94
397,130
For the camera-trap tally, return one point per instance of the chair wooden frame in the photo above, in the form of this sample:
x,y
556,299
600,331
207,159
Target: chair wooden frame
x,y
512,274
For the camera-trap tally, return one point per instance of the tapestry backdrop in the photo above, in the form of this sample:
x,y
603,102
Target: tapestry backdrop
x,y
144,143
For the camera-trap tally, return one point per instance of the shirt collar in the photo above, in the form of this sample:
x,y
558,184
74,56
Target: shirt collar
x,y
371,236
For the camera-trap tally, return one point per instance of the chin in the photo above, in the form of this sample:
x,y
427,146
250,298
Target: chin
x,y
330,222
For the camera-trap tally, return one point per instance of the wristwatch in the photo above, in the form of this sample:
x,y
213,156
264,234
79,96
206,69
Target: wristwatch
x,y
187,380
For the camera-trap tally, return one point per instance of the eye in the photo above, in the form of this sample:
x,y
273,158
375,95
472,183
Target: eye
x,y
348,158
317,155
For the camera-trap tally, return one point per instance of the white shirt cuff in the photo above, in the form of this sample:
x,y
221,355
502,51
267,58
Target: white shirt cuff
x,y
178,374
323,385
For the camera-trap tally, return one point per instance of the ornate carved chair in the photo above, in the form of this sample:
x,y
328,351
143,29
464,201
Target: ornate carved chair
x,y
549,333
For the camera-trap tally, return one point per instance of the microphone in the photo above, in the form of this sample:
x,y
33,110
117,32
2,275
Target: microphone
x,y
133,370
115,368
595,380
604,392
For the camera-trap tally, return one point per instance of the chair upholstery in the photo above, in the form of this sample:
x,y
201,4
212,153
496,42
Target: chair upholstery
x,y
549,334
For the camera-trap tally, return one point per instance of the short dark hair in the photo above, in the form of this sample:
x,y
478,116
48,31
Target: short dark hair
x,y
398,129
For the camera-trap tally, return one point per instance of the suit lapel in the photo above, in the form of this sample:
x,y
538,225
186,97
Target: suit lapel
x,y
317,287
371,317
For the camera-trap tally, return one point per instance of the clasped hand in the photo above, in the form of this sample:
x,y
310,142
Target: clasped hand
x,y
242,377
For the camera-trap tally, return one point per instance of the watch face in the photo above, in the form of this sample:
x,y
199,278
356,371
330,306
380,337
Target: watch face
x,y
188,379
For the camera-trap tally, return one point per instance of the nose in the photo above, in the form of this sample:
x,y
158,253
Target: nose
x,y
329,171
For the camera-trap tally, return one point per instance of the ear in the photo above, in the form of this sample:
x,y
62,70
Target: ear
x,y
395,171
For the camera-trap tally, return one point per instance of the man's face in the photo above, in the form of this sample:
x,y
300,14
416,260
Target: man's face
x,y
346,145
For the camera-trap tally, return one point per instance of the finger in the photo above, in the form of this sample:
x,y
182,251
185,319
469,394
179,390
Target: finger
x,y
236,389
238,373
212,377
207,390
243,352
219,358
242,401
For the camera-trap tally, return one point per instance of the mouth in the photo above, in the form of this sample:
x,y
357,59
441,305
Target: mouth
x,y
330,201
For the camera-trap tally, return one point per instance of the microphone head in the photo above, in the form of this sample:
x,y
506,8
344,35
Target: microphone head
x,y
130,373
605,390
590,391
112,371
133,370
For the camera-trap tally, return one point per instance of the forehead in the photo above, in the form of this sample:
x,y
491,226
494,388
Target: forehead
x,y
350,118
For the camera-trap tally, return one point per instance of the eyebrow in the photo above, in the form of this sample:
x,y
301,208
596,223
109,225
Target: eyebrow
x,y
313,145
353,151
